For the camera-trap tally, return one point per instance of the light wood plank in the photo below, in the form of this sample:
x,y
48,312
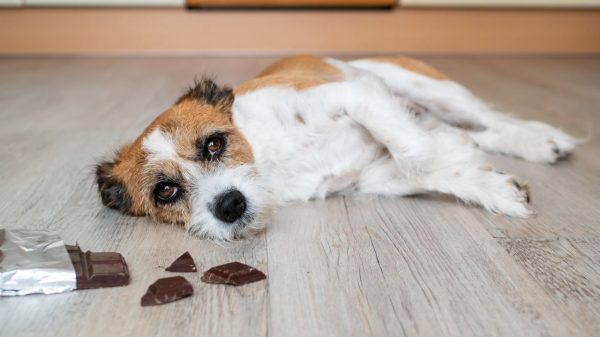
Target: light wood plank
x,y
569,270
389,267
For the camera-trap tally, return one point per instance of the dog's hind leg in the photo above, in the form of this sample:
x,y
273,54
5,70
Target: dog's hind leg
x,y
440,160
455,105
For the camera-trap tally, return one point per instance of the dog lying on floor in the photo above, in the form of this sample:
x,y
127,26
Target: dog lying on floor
x,y
309,127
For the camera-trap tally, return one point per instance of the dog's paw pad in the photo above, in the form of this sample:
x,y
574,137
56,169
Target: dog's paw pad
x,y
522,187
506,194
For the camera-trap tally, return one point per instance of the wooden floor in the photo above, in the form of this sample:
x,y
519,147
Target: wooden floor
x,y
423,266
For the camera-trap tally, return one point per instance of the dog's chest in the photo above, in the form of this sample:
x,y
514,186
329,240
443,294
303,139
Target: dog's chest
x,y
302,151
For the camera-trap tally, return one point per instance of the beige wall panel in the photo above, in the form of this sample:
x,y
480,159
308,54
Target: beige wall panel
x,y
503,3
159,31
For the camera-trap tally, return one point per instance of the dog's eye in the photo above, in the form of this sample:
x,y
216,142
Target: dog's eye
x,y
166,191
214,145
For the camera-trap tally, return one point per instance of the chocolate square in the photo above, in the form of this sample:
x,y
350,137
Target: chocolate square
x,y
234,273
183,264
167,290
98,270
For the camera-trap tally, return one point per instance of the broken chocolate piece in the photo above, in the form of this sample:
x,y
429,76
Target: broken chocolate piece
x,y
234,273
166,290
98,270
183,264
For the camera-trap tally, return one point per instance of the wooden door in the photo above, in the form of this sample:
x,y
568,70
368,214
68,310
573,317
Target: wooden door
x,y
291,3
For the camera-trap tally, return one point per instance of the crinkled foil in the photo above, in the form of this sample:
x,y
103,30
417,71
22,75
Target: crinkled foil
x,y
34,262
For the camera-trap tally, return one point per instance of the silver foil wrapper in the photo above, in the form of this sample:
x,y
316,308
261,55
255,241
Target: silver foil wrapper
x,y
34,262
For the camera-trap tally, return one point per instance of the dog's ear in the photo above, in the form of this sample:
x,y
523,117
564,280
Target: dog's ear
x,y
209,92
112,190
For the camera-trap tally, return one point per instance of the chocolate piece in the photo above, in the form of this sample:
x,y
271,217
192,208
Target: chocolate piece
x,y
166,290
183,264
98,270
234,273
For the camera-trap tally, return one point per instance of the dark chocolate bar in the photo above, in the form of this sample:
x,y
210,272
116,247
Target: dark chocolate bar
x,y
98,270
167,290
234,273
183,264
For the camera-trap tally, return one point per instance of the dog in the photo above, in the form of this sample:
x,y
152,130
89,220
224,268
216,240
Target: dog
x,y
219,160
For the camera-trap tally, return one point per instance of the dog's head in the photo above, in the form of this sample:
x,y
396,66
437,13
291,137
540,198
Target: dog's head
x,y
192,166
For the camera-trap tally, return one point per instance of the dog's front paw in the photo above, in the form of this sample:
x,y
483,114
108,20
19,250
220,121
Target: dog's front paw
x,y
507,194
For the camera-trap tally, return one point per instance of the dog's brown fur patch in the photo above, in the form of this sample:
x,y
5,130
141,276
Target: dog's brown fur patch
x,y
298,72
303,65
287,80
411,64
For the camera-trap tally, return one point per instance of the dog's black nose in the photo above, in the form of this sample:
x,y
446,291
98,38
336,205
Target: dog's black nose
x,y
230,206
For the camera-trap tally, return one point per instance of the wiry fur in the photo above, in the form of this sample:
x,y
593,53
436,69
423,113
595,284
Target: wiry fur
x,y
112,190
207,185
207,91
317,127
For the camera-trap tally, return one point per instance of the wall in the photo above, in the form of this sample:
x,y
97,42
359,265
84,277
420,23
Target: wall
x,y
161,31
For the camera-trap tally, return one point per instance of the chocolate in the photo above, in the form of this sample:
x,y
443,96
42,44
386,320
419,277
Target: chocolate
x,y
183,264
234,273
166,290
98,270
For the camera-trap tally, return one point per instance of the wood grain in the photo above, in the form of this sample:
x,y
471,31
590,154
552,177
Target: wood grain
x,y
569,271
421,266
404,267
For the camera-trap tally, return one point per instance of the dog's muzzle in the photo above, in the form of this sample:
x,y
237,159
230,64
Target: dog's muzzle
x,y
230,206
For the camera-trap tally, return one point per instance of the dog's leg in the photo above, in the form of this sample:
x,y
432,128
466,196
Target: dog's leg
x,y
455,105
471,181
440,160
494,191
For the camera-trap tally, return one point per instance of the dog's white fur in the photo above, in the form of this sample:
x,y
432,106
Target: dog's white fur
x,y
360,136
452,103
